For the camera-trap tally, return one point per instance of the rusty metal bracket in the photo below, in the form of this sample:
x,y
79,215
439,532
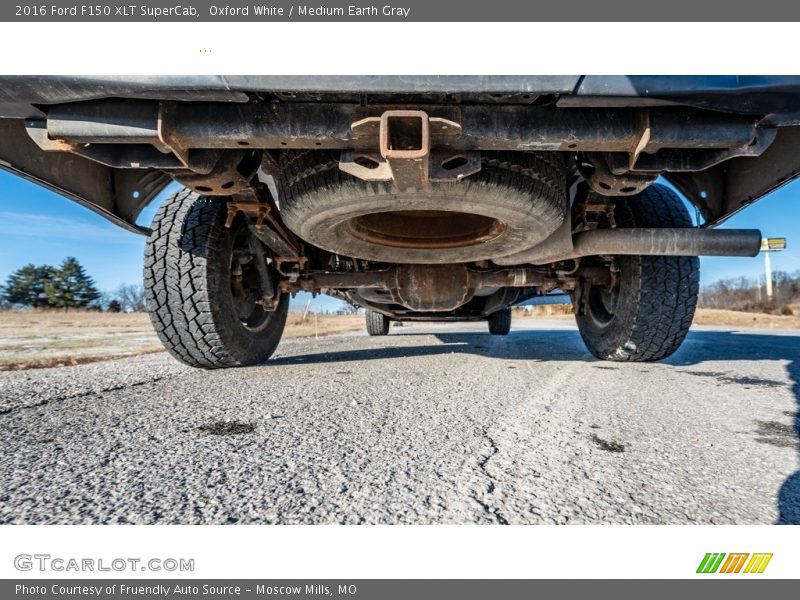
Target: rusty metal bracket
x,y
231,175
165,129
643,126
604,181
594,207
297,264
368,167
249,207
447,166
265,224
37,130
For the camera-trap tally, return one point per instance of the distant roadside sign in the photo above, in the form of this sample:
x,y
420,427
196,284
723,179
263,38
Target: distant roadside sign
x,y
773,244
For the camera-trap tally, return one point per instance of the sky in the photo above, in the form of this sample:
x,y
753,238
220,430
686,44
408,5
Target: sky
x,y
41,227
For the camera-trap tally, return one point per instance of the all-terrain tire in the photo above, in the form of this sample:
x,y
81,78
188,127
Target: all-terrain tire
x,y
500,322
187,285
526,191
377,323
657,295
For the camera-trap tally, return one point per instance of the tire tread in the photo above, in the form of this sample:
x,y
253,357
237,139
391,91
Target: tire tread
x,y
179,280
667,293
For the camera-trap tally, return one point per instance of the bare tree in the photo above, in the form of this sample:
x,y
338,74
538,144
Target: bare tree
x,y
131,297
746,294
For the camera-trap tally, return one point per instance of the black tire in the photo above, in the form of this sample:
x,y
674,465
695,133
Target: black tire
x,y
523,191
377,323
647,316
500,322
187,278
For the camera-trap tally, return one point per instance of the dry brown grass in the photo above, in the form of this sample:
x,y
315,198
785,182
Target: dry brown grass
x,y
36,339
31,339
321,325
734,318
548,311
703,316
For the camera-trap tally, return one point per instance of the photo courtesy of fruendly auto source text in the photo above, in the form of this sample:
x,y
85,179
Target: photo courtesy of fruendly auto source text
x,y
421,300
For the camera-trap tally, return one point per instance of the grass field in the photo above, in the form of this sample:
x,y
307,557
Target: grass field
x,y
733,318
35,339
703,316
31,339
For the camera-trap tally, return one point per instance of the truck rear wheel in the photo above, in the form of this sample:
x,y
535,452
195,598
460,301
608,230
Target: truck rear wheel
x,y
201,287
500,322
377,323
645,313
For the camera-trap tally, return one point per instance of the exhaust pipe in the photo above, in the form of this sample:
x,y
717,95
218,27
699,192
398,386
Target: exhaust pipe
x,y
643,242
667,242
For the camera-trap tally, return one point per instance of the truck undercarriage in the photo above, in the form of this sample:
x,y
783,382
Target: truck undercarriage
x,y
424,198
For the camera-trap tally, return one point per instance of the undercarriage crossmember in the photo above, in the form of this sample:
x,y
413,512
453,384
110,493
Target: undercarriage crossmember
x,y
218,148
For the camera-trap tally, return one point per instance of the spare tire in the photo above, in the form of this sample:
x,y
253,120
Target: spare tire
x,y
515,201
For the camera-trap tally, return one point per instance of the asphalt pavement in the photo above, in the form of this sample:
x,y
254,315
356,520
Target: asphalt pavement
x,y
431,424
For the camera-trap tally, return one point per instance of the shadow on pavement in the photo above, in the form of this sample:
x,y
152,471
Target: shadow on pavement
x,y
700,346
519,345
713,345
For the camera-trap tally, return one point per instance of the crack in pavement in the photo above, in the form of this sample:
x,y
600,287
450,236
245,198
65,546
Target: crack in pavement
x,y
534,419
493,511
46,401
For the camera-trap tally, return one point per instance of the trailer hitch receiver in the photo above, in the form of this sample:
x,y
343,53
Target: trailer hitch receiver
x,y
404,140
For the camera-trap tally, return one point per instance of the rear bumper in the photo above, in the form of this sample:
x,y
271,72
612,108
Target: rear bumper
x,y
21,96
